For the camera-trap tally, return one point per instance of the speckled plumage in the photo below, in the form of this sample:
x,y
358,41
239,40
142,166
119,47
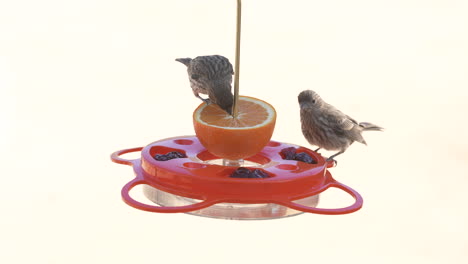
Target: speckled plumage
x,y
211,75
327,127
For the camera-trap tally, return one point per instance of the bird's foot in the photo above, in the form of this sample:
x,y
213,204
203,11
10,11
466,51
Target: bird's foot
x,y
334,160
332,157
206,101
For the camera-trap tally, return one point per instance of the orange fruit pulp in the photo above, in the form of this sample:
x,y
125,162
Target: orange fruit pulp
x,y
235,138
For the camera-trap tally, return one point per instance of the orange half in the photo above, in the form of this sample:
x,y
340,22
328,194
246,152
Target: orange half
x,y
235,138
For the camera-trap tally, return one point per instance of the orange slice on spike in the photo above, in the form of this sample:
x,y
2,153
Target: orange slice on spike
x,y
235,138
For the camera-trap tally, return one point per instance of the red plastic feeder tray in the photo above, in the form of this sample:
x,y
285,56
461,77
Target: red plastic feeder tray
x,y
197,185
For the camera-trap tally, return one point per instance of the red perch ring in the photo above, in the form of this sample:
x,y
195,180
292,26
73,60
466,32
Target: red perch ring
x,y
209,185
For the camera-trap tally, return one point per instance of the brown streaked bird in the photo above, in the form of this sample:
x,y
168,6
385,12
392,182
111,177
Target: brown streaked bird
x,y
211,75
327,127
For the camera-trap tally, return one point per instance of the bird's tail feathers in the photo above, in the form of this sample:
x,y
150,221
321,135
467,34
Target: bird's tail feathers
x,y
366,126
185,61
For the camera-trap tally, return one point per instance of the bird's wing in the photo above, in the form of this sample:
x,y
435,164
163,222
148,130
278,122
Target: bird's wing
x,y
337,119
199,67
213,67
230,68
222,67
352,120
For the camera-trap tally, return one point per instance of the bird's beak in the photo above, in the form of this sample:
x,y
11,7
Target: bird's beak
x,y
229,111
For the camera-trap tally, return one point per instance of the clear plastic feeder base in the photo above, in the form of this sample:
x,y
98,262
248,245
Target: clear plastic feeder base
x,y
234,211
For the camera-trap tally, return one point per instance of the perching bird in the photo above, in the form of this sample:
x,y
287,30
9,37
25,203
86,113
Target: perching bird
x,y
327,127
211,75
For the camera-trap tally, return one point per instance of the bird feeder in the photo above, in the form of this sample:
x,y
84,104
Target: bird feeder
x,y
201,183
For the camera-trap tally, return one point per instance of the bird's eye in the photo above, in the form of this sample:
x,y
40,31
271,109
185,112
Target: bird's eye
x,y
194,76
313,101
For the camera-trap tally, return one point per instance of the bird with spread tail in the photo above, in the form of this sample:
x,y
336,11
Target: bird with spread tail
x,y
211,75
327,127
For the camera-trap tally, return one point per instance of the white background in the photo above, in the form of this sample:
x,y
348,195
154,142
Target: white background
x,y
82,79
